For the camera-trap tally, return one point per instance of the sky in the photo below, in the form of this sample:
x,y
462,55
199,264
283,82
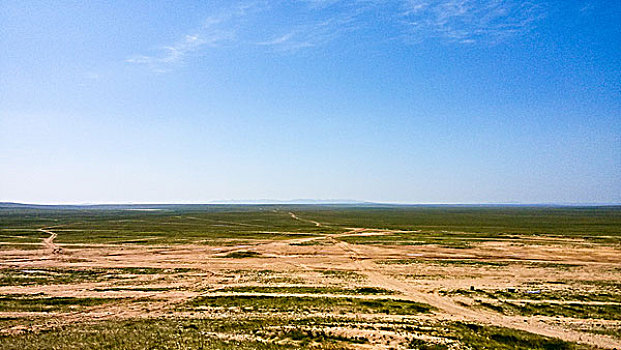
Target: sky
x,y
402,101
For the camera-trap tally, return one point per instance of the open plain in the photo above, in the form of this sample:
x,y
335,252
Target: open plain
x,y
310,277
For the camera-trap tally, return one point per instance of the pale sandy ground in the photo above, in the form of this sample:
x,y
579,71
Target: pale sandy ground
x,y
419,282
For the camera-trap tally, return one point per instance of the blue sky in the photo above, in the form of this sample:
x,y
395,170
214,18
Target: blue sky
x,y
409,101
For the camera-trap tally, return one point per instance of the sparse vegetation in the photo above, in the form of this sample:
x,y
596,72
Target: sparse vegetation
x,y
569,309
241,255
43,276
243,303
226,277
40,304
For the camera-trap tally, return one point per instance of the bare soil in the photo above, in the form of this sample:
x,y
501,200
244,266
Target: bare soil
x,y
304,261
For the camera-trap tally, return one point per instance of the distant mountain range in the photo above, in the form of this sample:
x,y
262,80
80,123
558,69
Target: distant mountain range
x,y
13,205
294,201
302,202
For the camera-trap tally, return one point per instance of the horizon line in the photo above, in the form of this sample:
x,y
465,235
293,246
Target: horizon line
x,y
314,202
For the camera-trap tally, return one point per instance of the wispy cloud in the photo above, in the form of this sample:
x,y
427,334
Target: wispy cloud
x,y
215,31
469,21
311,34
315,23
329,20
278,40
173,54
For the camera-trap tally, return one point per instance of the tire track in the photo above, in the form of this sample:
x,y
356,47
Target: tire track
x,y
450,310
48,242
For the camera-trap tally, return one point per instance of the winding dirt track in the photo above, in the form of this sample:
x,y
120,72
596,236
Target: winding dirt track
x,y
293,257
295,217
449,309
49,242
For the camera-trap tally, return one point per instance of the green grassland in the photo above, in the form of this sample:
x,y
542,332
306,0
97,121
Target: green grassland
x,y
576,303
243,303
40,304
575,310
558,295
275,317
221,224
267,333
43,276
502,220
159,227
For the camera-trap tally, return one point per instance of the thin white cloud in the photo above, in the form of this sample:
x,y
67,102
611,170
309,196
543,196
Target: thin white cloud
x,y
308,35
168,56
277,41
469,21
172,54
318,22
215,31
331,19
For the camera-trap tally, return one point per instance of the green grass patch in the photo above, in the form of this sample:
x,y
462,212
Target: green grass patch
x,y
307,336
610,330
310,304
264,276
271,333
452,226
575,310
541,294
25,277
41,304
242,254
344,275
474,336
158,334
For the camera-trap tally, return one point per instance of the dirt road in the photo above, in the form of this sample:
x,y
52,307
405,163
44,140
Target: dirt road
x,y
449,309
49,242
295,217
300,262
